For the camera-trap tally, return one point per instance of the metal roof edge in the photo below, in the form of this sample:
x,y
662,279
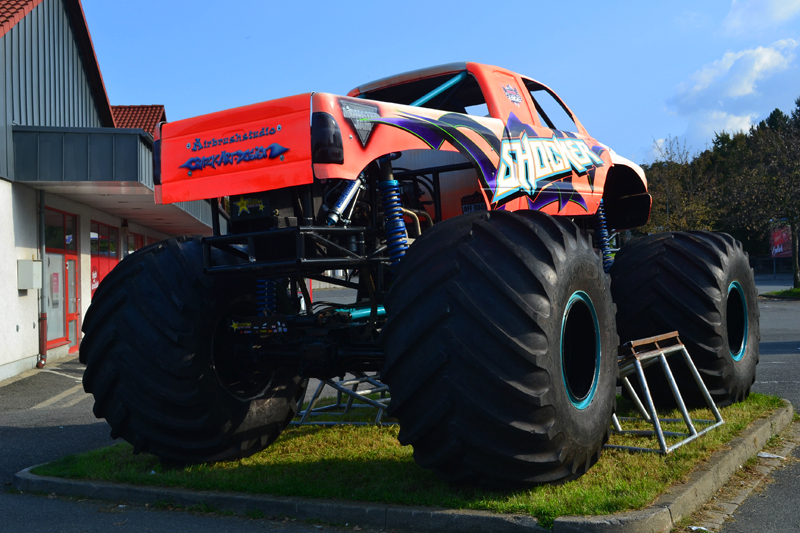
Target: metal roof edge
x,y
68,129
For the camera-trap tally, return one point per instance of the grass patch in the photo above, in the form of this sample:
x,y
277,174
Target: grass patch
x,y
366,463
788,293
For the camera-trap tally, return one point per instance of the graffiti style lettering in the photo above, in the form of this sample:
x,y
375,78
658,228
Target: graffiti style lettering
x,y
229,158
200,144
525,161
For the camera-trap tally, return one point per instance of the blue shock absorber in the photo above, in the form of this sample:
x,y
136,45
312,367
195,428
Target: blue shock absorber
x,y
601,237
266,290
396,236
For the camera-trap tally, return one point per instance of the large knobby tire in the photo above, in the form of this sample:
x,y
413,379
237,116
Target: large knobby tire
x,y
699,284
501,349
159,363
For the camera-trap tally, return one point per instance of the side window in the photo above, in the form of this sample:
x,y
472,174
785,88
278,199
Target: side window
x,y
551,113
479,110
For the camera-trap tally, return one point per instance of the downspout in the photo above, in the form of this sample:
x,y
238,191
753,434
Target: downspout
x,y
42,304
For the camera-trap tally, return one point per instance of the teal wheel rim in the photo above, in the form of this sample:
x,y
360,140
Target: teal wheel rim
x,y
580,350
736,321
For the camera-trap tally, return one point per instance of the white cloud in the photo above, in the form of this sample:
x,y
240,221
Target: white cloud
x,y
733,79
703,126
758,15
719,121
654,151
731,93
736,73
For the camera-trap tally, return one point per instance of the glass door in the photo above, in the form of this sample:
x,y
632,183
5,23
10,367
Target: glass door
x,y
54,298
61,285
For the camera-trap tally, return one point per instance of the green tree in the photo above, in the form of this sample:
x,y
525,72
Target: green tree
x,y
762,177
777,156
680,190
742,185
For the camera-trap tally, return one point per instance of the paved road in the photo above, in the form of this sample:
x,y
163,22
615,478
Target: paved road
x,y
775,508
45,415
769,282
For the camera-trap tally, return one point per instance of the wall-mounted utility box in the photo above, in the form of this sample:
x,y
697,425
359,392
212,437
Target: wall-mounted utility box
x,y
29,274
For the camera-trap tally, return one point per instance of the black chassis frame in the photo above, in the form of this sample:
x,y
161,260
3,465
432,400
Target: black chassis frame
x,y
322,352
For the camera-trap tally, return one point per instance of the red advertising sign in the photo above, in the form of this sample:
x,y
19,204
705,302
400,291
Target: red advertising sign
x,y
780,242
95,278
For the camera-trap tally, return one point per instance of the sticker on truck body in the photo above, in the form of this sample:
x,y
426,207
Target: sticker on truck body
x,y
360,116
229,158
528,160
200,144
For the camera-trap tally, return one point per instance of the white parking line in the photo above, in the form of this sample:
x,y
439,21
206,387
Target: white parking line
x,y
57,397
77,380
77,400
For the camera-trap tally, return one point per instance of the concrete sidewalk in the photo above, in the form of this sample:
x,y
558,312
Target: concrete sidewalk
x,y
769,282
679,501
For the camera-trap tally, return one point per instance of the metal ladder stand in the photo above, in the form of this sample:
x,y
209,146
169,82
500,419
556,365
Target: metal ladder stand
x,y
355,398
637,355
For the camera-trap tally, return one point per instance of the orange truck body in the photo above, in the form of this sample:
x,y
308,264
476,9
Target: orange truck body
x,y
520,163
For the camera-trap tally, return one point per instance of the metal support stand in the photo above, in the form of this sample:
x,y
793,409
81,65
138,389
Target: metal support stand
x,y
634,357
348,397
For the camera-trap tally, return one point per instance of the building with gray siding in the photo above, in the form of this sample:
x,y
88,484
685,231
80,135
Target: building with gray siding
x,y
76,191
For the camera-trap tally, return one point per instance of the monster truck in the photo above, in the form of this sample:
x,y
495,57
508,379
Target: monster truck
x,y
469,208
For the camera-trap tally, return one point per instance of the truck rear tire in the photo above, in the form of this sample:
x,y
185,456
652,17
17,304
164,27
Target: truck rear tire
x,y
161,370
501,349
700,284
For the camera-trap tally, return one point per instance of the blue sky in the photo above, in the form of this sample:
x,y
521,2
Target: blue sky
x,y
634,72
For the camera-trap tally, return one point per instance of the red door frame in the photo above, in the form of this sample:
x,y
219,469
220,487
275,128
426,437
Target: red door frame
x,y
68,254
76,316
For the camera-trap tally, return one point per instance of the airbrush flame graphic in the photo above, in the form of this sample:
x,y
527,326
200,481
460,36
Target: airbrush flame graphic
x,y
566,150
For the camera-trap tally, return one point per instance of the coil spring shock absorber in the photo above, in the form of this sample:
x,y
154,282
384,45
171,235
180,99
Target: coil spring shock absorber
x,y
601,237
266,290
396,236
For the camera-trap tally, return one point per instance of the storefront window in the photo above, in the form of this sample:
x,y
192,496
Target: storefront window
x,y
134,241
104,251
94,235
103,239
59,230
70,237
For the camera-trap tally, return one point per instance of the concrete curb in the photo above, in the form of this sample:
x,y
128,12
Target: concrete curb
x,y
683,499
679,501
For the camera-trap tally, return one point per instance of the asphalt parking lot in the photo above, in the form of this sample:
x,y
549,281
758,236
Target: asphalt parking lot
x,y
774,507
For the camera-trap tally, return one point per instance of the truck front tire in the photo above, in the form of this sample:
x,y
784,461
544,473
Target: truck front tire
x,y
700,284
501,350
